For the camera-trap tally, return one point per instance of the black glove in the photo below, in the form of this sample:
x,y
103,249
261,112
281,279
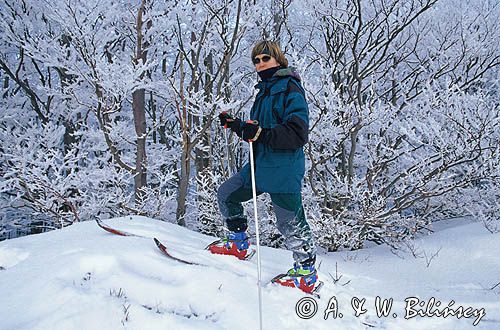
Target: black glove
x,y
252,132
224,117
227,121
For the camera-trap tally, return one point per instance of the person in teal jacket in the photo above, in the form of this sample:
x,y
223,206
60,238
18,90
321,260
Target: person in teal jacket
x,y
278,128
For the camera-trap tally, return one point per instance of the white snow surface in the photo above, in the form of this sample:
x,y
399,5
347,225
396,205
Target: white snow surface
x,y
82,277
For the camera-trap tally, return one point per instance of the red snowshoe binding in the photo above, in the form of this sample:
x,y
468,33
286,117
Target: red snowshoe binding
x,y
235,244
302,277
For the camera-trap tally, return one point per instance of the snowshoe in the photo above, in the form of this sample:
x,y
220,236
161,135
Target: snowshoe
x,y
235,244
302,277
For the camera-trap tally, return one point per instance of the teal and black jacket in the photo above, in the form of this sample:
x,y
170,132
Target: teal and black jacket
x,y
281,110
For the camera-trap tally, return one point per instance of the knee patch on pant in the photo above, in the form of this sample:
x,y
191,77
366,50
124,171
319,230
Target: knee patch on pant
x,y
292,224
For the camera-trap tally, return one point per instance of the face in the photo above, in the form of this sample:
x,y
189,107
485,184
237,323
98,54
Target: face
x,y
263,65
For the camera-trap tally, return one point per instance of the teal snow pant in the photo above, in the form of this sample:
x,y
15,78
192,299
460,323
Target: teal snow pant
x,y
290,217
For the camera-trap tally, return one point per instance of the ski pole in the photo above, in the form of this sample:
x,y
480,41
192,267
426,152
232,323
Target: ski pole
x,y
254,192
228,154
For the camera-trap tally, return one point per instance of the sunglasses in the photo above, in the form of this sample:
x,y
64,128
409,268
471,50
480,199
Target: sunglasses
x,y
264,58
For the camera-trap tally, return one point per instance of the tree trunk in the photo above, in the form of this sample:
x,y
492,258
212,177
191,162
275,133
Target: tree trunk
x,y
186,149
183,184
138,107
140,178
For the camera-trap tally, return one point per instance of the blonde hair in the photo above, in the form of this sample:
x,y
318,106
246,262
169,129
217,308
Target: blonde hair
x,y
270,48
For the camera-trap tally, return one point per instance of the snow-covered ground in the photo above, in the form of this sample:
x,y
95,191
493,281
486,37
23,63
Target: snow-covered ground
x,y
82,277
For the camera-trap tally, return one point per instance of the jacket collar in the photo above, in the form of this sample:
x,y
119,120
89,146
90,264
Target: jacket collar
x,y
281,73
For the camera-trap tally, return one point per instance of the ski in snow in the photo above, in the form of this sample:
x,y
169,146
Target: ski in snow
x,y
115,231
159,244
164,250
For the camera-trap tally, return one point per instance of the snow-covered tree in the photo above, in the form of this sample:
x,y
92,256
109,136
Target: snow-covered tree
x,y
109,108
